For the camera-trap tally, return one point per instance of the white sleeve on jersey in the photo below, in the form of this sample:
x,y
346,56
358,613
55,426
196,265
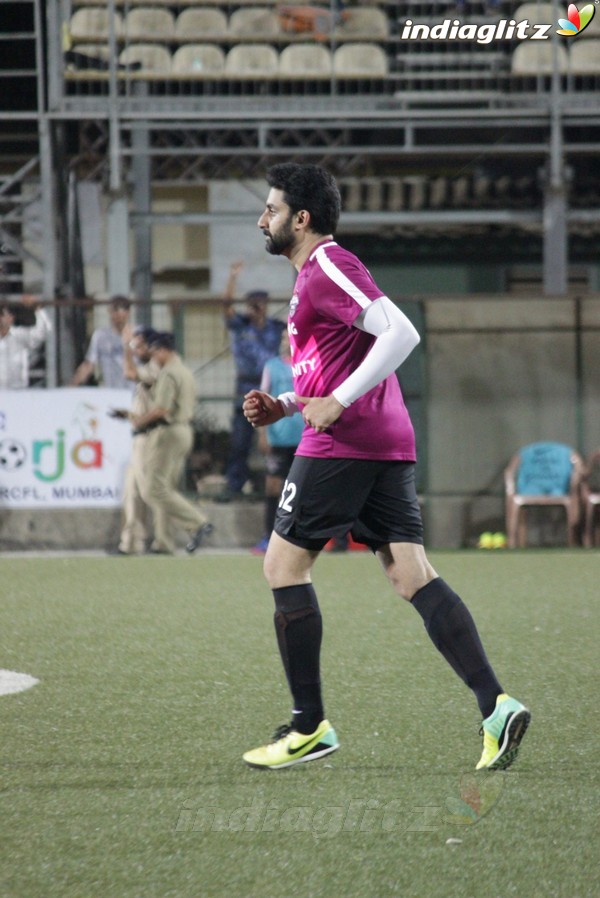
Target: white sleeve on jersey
x,y
396,339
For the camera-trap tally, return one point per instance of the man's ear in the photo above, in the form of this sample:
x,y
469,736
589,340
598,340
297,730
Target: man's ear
x,y
303,218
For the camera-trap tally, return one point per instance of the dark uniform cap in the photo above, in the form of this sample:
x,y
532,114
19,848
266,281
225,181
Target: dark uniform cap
x,y
162,340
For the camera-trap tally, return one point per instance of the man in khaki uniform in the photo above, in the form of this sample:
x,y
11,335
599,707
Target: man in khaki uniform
x,y
138,367
169,442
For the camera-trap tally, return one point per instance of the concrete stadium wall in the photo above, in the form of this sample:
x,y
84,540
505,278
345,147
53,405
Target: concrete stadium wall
x,y
501,373
237,525
497,372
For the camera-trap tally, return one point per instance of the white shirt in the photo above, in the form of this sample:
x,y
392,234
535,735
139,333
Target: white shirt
x,y
15,348
105,353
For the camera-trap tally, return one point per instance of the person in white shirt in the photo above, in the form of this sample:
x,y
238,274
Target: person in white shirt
x,y
17,343
104,356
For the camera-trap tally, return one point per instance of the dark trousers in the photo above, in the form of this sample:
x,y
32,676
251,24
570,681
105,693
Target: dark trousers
x,y
242,435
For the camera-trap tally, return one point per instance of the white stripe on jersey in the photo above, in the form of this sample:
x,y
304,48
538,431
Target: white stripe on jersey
x,y
339,278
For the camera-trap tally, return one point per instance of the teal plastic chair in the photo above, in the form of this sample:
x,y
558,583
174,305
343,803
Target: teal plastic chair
x,y
542,474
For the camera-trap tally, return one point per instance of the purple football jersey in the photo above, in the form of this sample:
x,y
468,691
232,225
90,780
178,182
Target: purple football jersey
x,y
331,290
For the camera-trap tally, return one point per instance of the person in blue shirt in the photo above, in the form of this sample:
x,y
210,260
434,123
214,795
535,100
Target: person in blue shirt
x,y
279,440
254,338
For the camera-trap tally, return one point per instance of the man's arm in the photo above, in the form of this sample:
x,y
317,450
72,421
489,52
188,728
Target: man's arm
x,y
230,288
84,371
130,371
34,336
395,339
261,408
82,374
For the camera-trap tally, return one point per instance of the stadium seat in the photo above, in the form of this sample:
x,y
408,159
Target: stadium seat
x,y
195,24
536,13
585,57
153,58
198,60
305,61
146,23
537,58
91,56
360,60
367,22
252,60
544,475
253,21
590,494
92,23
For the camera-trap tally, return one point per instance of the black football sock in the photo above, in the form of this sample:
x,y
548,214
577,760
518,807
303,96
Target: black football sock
x,y
452,630
299,628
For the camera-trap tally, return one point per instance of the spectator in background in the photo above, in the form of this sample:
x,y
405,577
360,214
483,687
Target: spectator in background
x,y
279,440
254,338
17,343
168,424
138,367
104,357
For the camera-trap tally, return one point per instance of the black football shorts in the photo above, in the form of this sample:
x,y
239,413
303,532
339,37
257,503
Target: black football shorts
x,y
279,461
376,501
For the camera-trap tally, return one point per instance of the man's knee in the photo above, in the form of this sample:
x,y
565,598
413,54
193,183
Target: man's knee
x,y
408,570
155,490
285,564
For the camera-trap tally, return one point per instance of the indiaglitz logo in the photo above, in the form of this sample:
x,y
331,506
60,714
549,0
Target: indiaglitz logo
x,y
577,20
455,30
502,30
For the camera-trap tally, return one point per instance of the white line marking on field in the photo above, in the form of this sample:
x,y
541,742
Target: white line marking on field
x,y
11,681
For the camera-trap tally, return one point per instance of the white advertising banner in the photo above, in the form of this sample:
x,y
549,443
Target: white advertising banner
x,y
61,449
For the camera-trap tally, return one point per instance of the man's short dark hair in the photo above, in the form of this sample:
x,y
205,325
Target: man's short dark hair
x,y
256,296
120,302
146,333
308,187
162,340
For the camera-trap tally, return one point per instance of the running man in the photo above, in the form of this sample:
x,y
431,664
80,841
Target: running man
x,y
353,470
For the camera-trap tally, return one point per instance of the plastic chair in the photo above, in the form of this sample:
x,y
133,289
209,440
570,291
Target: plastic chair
x,y
253,21
90,57
148,23
196,24
92,23
360,60
152,58
198,59
537,58
590,496
542,474
535,13
305,61
252,61
585,57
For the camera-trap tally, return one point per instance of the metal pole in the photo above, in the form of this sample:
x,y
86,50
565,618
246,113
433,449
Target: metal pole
x,y
555,259
118,213
142,202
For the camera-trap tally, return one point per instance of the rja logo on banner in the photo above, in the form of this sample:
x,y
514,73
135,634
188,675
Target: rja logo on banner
x,y
48,456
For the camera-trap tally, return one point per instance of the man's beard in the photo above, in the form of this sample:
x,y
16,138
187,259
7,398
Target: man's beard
x,y
277,244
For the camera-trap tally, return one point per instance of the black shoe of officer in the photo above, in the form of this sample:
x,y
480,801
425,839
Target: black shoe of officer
x,y
198,536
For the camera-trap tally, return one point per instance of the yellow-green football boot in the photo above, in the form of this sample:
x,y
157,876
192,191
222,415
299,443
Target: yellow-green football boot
x,y
502,733
290,747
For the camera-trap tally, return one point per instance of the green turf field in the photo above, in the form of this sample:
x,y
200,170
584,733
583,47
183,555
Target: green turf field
x,y
122,774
